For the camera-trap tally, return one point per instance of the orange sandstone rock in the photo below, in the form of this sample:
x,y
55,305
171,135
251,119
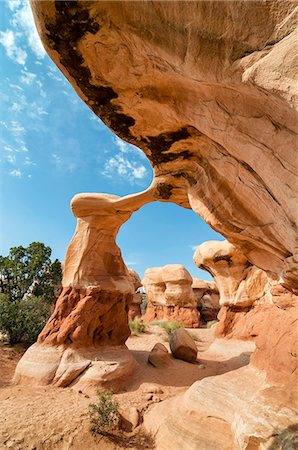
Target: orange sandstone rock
x,y
170,296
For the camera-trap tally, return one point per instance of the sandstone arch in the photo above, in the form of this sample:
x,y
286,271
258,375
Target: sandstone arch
x,y
207,91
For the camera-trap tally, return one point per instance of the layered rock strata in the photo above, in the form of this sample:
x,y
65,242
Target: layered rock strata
x,y
207,298
170,296
207,90
135,305
83,341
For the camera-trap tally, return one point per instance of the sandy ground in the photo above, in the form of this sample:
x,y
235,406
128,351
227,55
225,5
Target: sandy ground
x,y
46,418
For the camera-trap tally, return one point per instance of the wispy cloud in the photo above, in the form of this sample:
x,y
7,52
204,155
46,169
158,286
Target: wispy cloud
x,y
23,22
130,170
8,40
27,77
126,163
16,173
131,263
194,247
22,28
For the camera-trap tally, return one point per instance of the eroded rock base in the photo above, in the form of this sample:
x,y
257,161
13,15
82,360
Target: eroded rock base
x,y
83,368
189,316
88,317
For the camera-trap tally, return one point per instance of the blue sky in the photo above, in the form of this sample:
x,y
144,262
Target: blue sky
x,y
52,147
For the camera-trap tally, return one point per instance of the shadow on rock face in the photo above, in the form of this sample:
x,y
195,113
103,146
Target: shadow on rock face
x,y
285,439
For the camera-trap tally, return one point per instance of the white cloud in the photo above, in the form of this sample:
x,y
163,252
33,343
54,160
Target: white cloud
x,y
10,158
29,162
17,54
124,147
131,263
194,247
23,21
15,127
27,77
139,172
55,74
130,170
13,4
16,173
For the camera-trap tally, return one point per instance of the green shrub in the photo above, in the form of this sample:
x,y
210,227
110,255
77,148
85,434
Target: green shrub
x,y
137,326
168,326
23,320
104,415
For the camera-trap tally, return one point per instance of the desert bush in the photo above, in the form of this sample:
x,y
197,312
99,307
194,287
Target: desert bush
x,y
23,320
104,415
137,326
168,326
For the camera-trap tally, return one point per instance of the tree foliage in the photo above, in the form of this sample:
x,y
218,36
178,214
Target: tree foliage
x,y
29,271
23,320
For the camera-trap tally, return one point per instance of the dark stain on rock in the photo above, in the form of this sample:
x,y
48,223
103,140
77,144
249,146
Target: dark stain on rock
x,y
164,190
191,180
72,22
226,258
159,145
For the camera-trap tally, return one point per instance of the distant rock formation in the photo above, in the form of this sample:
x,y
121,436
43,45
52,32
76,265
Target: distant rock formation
x,y
134,309
207,298
170,295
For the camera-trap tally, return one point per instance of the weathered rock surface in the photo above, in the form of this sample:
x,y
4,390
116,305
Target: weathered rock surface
x,y
135,305
159,356
207,298
207,90
170,296
239,282
183,346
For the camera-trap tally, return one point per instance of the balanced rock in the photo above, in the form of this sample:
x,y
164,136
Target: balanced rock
x,y
83,341
170,296
159,356
183,346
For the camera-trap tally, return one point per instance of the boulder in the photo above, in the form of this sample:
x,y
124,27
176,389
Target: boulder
x,y
183,346
159,356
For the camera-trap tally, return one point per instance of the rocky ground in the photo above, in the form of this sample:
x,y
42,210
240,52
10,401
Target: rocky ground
x,y
45,418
